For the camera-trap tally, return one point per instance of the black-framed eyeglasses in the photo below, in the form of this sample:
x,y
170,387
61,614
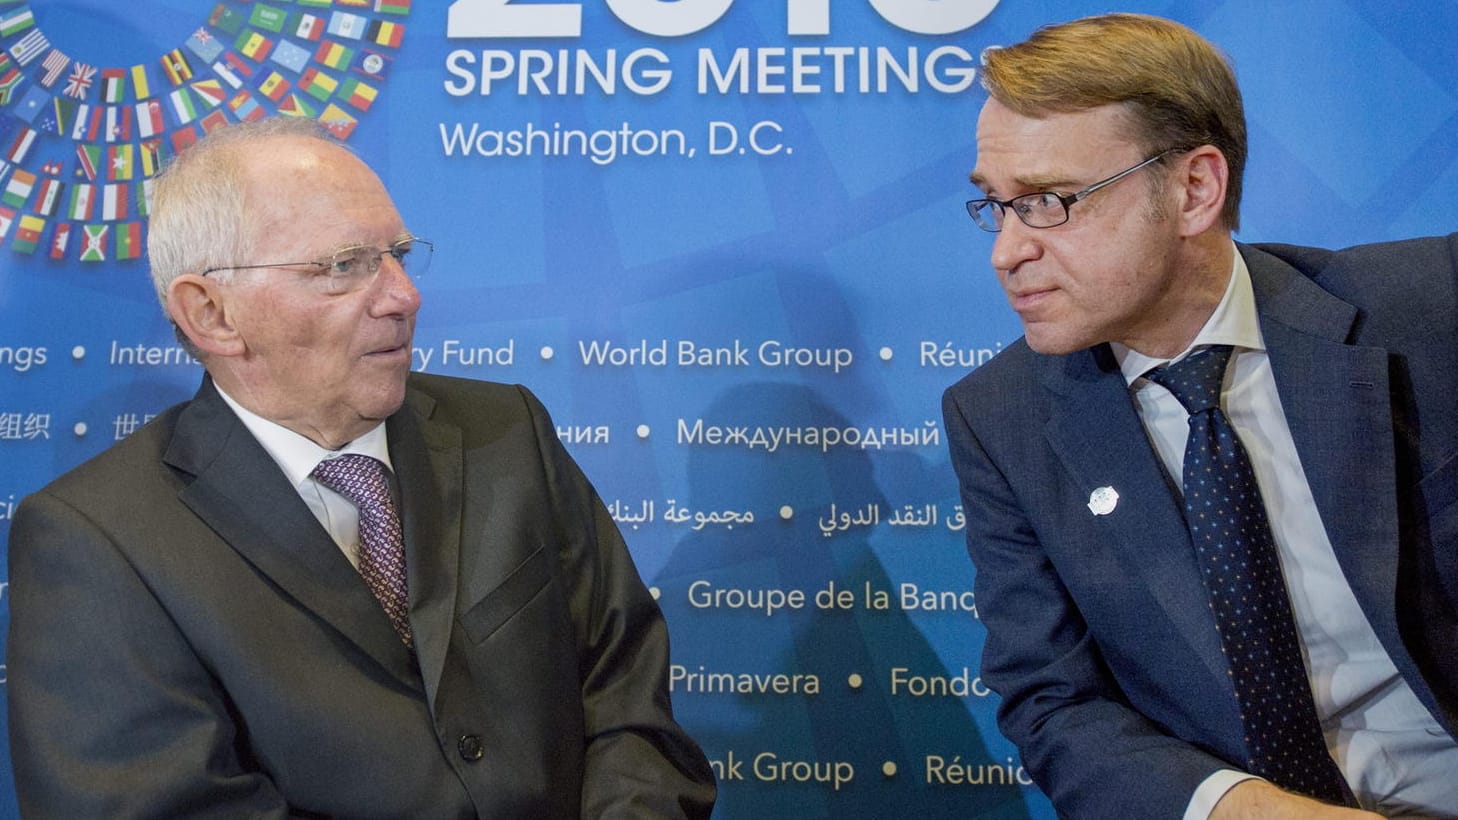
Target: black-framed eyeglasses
x,y
355,267
1044,209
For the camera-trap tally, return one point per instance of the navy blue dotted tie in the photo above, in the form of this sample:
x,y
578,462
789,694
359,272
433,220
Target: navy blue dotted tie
x,y
1242,574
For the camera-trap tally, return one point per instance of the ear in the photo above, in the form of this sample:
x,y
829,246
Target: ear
x,y
1201,178
197,305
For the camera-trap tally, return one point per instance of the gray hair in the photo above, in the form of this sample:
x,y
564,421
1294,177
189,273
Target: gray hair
x,y
200,216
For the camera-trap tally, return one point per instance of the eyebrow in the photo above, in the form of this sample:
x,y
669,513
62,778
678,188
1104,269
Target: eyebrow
x,y
356,244
1030,184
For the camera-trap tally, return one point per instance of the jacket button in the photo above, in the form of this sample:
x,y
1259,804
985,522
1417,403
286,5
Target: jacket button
x,y
471,748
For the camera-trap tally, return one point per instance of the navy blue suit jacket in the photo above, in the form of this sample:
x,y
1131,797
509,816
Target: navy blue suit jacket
x,y
1100,639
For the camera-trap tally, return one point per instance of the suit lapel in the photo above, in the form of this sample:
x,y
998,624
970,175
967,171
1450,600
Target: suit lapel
x,y
1096,431
428,464
1336,400
243,496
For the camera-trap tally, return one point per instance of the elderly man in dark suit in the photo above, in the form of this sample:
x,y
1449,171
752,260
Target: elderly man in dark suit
x,y
1212,494
326,586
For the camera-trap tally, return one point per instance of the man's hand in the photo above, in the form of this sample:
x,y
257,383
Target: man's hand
x,y
1260,800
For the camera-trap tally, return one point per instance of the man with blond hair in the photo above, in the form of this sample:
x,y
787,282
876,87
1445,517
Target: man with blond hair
x,y
1212,494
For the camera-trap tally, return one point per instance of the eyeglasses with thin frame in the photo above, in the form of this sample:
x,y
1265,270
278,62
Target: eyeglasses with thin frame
x,y
1044,209
352,268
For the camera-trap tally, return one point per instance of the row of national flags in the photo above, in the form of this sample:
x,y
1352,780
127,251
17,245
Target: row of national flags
x,y
80,141
49,196
86,241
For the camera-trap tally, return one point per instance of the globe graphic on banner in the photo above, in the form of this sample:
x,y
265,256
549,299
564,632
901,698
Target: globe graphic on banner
x,y
85,128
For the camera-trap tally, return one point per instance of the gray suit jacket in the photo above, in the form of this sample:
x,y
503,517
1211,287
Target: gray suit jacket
x,y
1100,640
187,641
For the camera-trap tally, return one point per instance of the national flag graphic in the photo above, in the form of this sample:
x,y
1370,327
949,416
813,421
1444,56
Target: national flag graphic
x,y
114,201
78,84
20,145
144,198
60,239
149,118
371,64
129,240
386,33
113,84
32,103
210,92
226,71
83,201
118,123
50,117
359,4
10,79
213,121
305,26
268,18
316,3
52,67
245,108
183,108
28,233
295,106
16,21
141,82
239,65
291,55
225,19
204,45
334,55
18,189
149,152
7,219
119,162
87,127
392,6
317,84
94,249
274,86
182,138
176,67
29,47
359,94
338,121
344,24
88,160
48,196
253,45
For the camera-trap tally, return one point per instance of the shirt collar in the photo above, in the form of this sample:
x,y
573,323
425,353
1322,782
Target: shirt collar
x,y
1234,322
296,455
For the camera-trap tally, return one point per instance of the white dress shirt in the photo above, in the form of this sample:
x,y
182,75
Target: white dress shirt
x,y
1390,749
297,456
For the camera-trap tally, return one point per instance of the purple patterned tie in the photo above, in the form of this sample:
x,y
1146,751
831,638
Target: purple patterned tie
x,y
1242,573
361,479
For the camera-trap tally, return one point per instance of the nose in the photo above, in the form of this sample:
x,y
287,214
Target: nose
x,y
395,290
1015,244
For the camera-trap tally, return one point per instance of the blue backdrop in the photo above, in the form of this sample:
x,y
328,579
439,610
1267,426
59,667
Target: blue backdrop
x,y
725,243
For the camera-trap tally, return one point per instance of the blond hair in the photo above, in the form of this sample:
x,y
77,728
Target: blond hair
x,y
1178,89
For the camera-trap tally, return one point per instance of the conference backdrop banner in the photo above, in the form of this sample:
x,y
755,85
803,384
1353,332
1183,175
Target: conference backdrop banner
x,y
725,243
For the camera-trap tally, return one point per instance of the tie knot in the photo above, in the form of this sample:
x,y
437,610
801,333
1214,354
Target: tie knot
x,y
359,478
1195,380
